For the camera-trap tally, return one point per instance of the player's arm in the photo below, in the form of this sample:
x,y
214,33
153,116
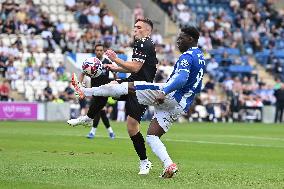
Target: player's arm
x,y
123,66
179,81
115,68
139,56
181,77
129,66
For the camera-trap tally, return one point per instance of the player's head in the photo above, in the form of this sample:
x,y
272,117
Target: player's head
x,y
142,28
187,38
99,50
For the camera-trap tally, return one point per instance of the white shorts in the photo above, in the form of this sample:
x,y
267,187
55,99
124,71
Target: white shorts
x,y
165,113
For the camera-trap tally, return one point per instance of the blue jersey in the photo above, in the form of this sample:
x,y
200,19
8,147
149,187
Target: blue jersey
x,y
191,61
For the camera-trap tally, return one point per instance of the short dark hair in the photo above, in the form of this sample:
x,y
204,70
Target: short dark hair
x,y
145,20
99,45
192,32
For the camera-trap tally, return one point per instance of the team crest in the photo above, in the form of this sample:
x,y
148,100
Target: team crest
x,y
184,63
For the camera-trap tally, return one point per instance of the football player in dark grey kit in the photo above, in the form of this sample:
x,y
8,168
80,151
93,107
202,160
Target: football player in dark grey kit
x,y
142,68
97,103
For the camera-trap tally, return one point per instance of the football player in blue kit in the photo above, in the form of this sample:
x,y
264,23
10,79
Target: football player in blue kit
x,y
170,99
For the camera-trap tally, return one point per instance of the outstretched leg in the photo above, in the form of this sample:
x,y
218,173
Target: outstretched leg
x,y
111,89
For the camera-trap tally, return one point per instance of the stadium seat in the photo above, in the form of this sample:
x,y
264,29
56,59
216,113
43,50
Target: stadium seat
x,y
53,17
45,2
240,69
70,18
62,17
36,2
6,41
44,8
53,9
66,26
60,8
60,2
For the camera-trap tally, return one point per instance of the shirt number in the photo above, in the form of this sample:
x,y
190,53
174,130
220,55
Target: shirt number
x,y
198,78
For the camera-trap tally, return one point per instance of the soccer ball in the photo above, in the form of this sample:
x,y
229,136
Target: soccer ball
x,y
92,67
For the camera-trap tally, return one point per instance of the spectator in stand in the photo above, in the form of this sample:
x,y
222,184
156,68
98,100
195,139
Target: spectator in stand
x,y
226,60
47,92
68,93
184,17
210,85
138,12
60,70
107,23
29,72
32,44
70,5
94,19
5,91
205,41
277,83
212,67
3,66
31,60
11,74
48,44
43,72
279,94
157,37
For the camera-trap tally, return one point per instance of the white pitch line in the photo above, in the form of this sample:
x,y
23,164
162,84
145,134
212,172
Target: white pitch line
x,y
250,137
208,142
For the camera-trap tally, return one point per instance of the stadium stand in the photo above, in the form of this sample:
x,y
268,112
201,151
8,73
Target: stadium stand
x,y
234,32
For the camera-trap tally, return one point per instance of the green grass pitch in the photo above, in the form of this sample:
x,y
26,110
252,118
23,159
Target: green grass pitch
x,y
54,155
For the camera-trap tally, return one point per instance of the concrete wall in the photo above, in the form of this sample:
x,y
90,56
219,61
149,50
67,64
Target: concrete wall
x,y
57,111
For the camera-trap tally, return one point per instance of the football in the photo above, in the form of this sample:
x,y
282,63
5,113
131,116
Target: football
x,y
92,67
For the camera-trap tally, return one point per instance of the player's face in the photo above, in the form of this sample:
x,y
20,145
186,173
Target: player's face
x,y
184,42
140,30
99,52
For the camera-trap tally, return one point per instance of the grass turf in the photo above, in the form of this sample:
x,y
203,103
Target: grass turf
x,y
54,155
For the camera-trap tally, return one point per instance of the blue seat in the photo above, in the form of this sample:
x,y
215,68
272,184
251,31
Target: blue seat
x,y
240,69
233,51
279,53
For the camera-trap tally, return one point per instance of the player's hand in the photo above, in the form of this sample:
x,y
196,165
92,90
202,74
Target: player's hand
x,y
111,54
160,99
111,67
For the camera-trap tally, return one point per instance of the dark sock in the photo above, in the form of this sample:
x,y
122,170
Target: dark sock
x,y
139,145
96,120
105,119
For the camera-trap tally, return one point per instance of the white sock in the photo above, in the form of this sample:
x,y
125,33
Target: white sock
x,y
110,130
93,130
114,90
159,149
144,161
